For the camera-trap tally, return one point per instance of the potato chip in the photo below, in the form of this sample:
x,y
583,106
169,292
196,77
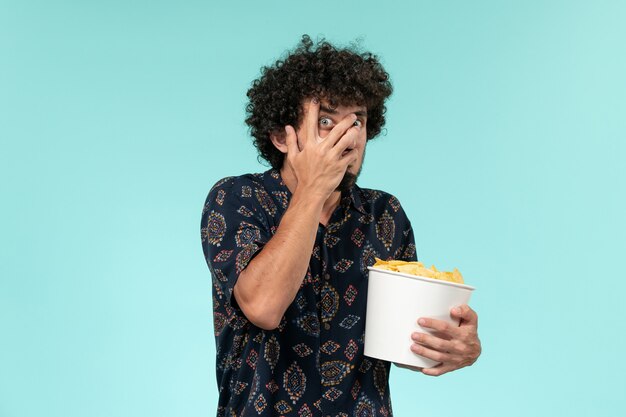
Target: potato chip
x,y
418,269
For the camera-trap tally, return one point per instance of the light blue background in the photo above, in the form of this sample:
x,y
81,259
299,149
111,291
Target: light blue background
x,y
505,144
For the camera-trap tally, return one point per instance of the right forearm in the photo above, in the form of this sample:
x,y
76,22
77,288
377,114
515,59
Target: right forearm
x,y
266,288
270,282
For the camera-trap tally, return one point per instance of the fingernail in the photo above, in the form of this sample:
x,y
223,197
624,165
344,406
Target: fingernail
x,y
421,322
315,100
458,310
416,337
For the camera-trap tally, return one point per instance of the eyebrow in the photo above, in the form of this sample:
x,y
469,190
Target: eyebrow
x,y
362,113
328,110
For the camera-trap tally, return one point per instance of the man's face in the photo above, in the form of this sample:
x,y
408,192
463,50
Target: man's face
x,y
328,119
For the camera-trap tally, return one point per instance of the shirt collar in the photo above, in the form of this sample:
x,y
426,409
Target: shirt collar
x,y
354,197
274,182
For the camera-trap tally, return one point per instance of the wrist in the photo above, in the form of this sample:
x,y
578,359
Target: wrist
x,y
310,197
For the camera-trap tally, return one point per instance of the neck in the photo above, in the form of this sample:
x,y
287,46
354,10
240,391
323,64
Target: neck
x,y
330,204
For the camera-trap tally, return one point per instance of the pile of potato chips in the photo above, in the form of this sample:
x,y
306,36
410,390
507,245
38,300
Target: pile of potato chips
x,y
418,268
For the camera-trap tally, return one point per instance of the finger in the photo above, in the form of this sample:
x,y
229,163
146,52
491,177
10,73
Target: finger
x,y
441,344
311,120
465,314
346,142
292,140
428,353
438,370
338,132
438,325
433,342
349,158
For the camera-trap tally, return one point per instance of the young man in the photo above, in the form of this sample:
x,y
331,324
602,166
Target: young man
x,y
288,249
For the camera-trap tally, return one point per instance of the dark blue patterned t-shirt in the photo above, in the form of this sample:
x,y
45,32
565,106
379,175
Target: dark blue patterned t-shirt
x,y
313,363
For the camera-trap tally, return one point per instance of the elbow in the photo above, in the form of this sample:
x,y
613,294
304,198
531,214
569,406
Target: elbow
x,y
265,322
259,312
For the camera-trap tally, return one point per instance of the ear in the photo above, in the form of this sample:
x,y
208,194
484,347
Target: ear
x,y
279,140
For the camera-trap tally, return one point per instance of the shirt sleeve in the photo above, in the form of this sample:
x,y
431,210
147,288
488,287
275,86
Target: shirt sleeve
x,y
408,244
234,229
405,246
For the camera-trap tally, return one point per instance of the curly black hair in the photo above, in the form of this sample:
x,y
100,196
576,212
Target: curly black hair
x,y
341,76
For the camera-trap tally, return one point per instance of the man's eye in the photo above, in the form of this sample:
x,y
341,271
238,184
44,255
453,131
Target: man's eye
x,y
325,122
358,123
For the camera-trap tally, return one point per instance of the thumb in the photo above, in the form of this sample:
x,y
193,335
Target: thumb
x,y
465,314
